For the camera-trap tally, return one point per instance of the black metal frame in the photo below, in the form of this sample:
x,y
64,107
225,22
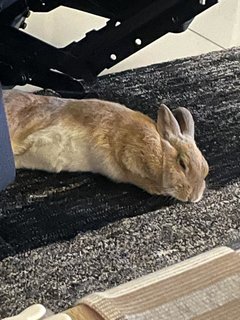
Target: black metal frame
x,y
62,69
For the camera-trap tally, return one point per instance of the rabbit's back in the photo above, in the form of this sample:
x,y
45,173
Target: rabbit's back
x,y
28,112
55,134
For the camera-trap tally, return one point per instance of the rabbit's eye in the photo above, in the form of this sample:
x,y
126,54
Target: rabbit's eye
x,y
182,164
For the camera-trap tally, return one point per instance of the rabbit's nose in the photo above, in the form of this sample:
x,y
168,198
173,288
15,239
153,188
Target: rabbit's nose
x,y
197,193
197,199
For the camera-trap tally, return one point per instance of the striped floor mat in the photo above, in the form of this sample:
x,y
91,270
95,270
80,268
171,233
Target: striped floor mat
x,y
205,287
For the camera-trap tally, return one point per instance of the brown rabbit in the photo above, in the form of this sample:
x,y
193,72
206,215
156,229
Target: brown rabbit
x,y
55,134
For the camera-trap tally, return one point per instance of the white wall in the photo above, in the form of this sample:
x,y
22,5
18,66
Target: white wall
x,y
217,27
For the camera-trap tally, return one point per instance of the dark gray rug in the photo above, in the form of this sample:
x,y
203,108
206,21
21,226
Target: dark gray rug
x,y
41,208
57,274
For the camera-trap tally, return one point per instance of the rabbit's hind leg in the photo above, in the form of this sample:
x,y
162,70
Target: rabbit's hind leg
x,y
41,150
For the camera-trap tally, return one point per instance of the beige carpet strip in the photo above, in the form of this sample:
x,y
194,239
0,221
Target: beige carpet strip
x,y
204,287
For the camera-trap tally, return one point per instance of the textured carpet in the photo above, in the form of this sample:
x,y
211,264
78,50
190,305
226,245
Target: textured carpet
x,y
41,208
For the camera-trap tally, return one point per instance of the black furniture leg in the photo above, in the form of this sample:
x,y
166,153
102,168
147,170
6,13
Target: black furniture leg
x,y
7,166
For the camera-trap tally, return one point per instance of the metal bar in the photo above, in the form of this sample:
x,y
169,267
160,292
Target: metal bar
x,y
106,47
37,51
18,70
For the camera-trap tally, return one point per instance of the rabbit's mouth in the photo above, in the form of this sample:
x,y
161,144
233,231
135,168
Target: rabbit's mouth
x,y
179,192
182,196
173,194
188,199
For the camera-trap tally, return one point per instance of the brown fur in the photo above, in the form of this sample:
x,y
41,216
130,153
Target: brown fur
x,y
92,135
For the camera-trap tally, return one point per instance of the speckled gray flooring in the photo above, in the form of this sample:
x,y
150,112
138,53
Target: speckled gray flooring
x,y
57,274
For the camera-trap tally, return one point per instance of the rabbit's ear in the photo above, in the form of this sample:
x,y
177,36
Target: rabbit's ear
x,y
185,120
167,124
